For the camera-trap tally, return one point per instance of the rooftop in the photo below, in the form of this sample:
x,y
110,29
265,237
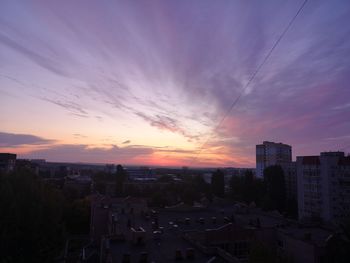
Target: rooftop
x,y
317,236
311,160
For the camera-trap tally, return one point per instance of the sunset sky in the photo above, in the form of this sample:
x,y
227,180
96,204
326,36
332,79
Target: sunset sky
x,y
147,82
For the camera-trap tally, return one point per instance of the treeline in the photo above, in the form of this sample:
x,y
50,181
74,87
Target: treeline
x,y
166,191
35,218
268,193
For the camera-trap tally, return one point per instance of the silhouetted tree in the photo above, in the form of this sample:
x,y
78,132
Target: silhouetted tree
x,y
247,188
275,188
338,244
337,249
158,199
291,208
120,178
218,183
166,179
31,219
189,195
77,216
99,180
200,184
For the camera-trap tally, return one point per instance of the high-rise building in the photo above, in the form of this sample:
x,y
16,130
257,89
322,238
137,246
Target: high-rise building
x,y
271,153
324,186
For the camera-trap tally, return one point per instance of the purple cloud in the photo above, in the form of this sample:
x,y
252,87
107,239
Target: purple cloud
x,y
15,140
86,153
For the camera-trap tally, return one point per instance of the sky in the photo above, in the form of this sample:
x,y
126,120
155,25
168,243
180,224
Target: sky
x,y
148,82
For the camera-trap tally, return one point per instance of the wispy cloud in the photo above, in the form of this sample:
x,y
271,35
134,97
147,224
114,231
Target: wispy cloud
x,y
79,136
342,107
33,55
73,107
168,124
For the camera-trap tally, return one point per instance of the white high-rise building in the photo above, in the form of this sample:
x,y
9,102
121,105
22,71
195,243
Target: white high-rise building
x,y
324,186
271,153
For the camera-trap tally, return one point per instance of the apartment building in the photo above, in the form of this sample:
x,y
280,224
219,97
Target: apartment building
x,y
324,186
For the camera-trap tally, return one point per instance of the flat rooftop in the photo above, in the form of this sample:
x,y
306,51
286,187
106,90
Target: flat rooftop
x,y
163,247
313,235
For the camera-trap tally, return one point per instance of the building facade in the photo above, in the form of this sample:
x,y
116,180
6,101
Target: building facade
x,y
324,186
290,178
271,153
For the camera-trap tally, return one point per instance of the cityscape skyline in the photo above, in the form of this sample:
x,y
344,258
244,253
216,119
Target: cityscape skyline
x,y
147,83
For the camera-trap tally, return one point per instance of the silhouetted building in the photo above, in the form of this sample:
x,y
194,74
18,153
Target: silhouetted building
x,y
270,153
7,162
324,186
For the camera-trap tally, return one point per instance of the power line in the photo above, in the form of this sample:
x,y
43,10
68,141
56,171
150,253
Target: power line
x,y
252,77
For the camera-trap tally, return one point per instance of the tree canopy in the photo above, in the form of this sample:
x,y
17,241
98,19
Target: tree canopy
x,y
247,188
275,187
218,183
31,219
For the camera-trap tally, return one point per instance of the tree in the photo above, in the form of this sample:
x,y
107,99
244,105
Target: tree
x,y
158,199
237,188
189,195
200,184
275,187
218,183
291,208
338,244
31,219
99,180
77,216
165,179
247,188
120,178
